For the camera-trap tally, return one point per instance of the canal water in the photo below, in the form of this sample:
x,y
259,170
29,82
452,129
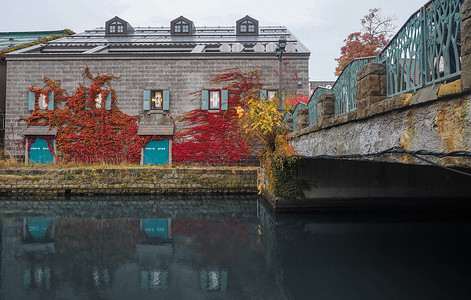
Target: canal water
x,y
226,248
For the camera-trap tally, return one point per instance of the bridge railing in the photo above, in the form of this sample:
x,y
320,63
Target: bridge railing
x,y
345,88
312,104
425,51
427,48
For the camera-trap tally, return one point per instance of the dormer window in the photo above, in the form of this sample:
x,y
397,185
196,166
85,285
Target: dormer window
x,y
182,26
116,27
247,26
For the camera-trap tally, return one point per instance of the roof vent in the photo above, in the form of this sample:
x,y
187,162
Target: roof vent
x,y
290,47
225,47
270,47
259,47
237,47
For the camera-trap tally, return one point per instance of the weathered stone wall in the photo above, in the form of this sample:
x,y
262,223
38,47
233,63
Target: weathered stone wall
x,y
3,80
442,126
466,45
182,76
435,118
143,206
132,181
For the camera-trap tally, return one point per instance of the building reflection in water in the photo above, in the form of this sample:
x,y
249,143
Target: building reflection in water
x,y
221,249
37,241
177,254
155,253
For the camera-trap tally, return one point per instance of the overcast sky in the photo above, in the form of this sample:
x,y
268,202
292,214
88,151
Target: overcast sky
x,y
321,25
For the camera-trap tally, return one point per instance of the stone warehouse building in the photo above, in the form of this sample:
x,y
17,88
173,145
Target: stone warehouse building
x,y
10,41
159,68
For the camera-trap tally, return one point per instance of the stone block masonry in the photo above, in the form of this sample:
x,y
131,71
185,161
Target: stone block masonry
x,y
132,181
181,76
466,45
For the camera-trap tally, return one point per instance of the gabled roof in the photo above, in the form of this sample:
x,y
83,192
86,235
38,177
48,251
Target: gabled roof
x,y
214,40
192,28
127,27
252,21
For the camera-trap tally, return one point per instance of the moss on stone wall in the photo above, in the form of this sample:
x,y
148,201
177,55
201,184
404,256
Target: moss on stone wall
x,y
128,181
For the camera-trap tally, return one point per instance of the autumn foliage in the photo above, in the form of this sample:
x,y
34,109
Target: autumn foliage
x,y
292,100
86,131
92,129
374,36
215,137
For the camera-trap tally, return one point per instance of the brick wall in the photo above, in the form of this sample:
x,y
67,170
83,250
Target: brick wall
x,y
180,76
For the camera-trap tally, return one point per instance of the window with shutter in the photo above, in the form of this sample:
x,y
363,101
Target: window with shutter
x,y
224,99
50,104
166,100
146,100
214,99
31,100
108,101
204,99
156,100
263,94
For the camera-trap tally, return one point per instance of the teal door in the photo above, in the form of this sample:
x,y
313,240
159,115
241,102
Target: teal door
x,y
156,153
39,153
155,228
40,228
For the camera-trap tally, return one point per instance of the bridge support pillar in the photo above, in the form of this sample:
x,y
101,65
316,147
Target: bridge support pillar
x,y
466,46
302,118
371,87
288,124
325,108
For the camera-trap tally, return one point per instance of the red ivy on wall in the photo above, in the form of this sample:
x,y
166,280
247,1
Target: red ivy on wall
x,y
215,137
86,130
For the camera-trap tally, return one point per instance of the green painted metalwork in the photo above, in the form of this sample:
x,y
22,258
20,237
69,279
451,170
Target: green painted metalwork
x,y
345,88
426,50
312,104
442,40
403,56
13,39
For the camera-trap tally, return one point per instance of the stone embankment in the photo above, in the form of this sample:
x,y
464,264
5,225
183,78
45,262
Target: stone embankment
x,y
130,181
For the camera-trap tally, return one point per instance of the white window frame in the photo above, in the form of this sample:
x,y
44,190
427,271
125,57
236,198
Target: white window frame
x,y
116,27
213,99
153,100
